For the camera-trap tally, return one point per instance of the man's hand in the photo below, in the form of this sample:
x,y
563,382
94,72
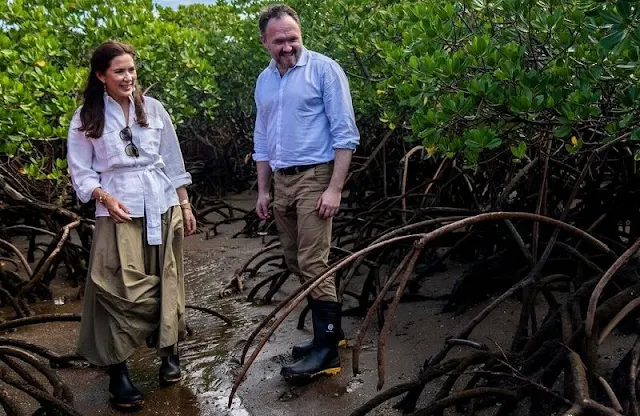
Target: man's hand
x,y
329,203
262,206
189,221
117,210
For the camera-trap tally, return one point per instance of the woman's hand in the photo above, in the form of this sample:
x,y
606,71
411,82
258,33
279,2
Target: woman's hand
x,y
189,221
117,210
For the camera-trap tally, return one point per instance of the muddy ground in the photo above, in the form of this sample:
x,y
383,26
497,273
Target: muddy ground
x,y
209,357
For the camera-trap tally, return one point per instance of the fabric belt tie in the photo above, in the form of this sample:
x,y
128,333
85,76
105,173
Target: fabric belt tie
x,y
151,197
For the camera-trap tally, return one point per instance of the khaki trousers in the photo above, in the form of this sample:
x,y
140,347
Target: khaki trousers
x,y
133,291
305,237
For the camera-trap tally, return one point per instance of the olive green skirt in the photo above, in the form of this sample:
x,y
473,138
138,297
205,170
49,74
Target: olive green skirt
x,y
134,291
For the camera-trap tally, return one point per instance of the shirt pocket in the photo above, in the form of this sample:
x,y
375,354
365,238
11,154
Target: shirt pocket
x,y
108,145
151,136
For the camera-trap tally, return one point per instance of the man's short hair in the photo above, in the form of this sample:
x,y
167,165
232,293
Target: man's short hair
x,y
275,11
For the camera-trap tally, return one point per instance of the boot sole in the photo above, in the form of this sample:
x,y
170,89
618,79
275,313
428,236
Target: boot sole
x,y
329,372
326,372
169,381
125,406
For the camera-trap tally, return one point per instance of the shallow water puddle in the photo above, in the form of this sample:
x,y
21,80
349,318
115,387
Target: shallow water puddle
x,y
205,354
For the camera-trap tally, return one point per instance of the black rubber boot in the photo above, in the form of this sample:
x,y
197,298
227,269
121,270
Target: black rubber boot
x,y
152,339
169,370
122,392
323,357
300,350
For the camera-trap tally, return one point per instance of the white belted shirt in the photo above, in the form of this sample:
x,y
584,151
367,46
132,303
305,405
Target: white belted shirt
x,y
145,184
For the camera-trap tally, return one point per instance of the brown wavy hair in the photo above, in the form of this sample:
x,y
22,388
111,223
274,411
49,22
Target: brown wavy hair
x,y
92,112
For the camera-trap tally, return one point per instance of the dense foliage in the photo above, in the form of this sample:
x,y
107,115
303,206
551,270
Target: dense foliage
x,y
188,59
465,78
512,105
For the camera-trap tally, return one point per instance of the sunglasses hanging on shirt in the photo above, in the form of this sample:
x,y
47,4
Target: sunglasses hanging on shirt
x,y
130,149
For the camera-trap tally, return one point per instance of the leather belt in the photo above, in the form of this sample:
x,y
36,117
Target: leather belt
x,y
294,170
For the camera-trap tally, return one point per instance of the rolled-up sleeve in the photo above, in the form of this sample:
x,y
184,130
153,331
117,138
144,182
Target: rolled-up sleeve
x,y
260,133
80,160
339,108
171,153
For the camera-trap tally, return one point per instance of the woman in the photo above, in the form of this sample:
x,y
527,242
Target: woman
x,y
123,152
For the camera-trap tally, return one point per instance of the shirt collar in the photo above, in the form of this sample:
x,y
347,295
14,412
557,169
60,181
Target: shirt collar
x,y
132,107
304,59
107,98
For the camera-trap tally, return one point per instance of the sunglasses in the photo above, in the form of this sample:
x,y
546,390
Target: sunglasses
x,y
127,136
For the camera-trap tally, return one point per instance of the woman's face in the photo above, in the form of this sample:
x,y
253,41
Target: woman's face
x,y
120,77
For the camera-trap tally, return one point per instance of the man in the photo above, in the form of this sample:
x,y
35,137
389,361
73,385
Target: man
x,y
305,133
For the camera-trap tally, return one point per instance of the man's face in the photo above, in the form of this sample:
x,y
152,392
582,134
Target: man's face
x,y
283,40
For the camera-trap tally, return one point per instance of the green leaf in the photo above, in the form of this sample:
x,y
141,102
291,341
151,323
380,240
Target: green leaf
x,y
611,128
624,8
494,143
472,144
626,121
636,34
610,17
611,40
519,151
413,62
562,130
623,45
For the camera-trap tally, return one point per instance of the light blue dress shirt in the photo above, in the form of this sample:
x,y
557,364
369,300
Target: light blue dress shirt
x,y
146,184
303,115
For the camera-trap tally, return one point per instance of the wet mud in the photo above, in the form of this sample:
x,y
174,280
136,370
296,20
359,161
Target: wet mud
x,y
208,367
209,356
